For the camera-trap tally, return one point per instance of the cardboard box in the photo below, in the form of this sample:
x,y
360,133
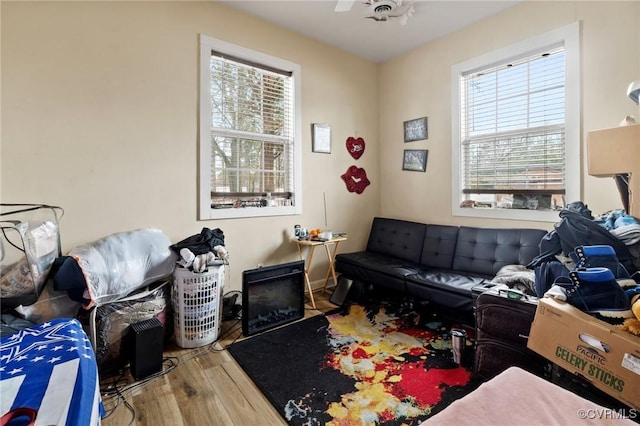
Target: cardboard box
x,y
617,151
613,151
603,354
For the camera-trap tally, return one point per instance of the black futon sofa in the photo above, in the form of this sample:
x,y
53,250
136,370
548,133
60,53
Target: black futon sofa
x,y
438,263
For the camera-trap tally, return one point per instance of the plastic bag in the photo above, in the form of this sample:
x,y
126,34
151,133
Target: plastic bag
x,y
121,263
29,244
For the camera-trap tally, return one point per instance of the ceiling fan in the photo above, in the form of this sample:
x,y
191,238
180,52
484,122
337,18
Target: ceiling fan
x,y
382,10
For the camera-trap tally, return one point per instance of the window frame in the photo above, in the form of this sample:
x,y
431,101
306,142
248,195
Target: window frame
x,y
206,212
569,37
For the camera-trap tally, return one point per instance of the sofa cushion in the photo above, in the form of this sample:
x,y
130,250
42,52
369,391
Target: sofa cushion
x,y
375,268
400,239
486,250
453,281
445,287
439,246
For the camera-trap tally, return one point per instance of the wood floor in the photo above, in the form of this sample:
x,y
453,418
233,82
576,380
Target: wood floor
x,y
201,386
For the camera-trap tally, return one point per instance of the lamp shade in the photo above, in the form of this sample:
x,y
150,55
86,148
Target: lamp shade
x,y
633,92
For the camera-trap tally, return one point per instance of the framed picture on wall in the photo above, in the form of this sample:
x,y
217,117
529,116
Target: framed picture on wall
x,y
416,129
321,138
415,160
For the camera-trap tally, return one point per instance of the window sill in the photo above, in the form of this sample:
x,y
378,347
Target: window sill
x,y
237,213
508,214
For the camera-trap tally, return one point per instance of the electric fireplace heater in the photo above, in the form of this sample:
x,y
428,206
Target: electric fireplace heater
x,y
272,296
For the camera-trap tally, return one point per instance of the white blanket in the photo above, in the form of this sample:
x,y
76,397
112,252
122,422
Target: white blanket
x,y
516,397
116,265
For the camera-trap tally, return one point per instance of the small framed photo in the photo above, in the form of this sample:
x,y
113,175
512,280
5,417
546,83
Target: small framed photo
x,y
415,160
321,138
415,130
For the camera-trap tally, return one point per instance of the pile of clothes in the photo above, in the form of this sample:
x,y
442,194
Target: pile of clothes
x,y
201,250
626,228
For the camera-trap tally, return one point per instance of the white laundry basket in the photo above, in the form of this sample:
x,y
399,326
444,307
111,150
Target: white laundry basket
x,y
197,306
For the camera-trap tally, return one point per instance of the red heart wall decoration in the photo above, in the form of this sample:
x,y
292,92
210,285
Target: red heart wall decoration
x,y
355,146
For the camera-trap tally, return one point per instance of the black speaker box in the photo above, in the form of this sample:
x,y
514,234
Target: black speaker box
x,y
146,348
341,291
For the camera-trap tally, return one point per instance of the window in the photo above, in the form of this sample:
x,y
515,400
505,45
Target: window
x,y
249,133
516,127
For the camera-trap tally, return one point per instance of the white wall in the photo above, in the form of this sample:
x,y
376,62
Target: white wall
x,y
99,103
419,84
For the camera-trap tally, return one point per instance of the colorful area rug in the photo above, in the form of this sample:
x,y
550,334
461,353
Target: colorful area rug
x,y
357,366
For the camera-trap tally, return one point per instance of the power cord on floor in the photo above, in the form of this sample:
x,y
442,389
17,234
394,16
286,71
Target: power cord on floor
x,y
231,329
114,393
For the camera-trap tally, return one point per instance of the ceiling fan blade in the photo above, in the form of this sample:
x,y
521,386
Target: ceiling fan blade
x,y
344,5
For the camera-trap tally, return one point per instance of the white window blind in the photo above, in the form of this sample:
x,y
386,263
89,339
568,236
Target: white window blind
x,y
252,134
512,123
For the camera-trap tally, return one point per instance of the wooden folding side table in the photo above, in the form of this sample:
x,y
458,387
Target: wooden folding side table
x,y
331,255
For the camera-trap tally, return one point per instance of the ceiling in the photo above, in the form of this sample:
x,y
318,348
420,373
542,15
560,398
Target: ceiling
x,y
369,39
